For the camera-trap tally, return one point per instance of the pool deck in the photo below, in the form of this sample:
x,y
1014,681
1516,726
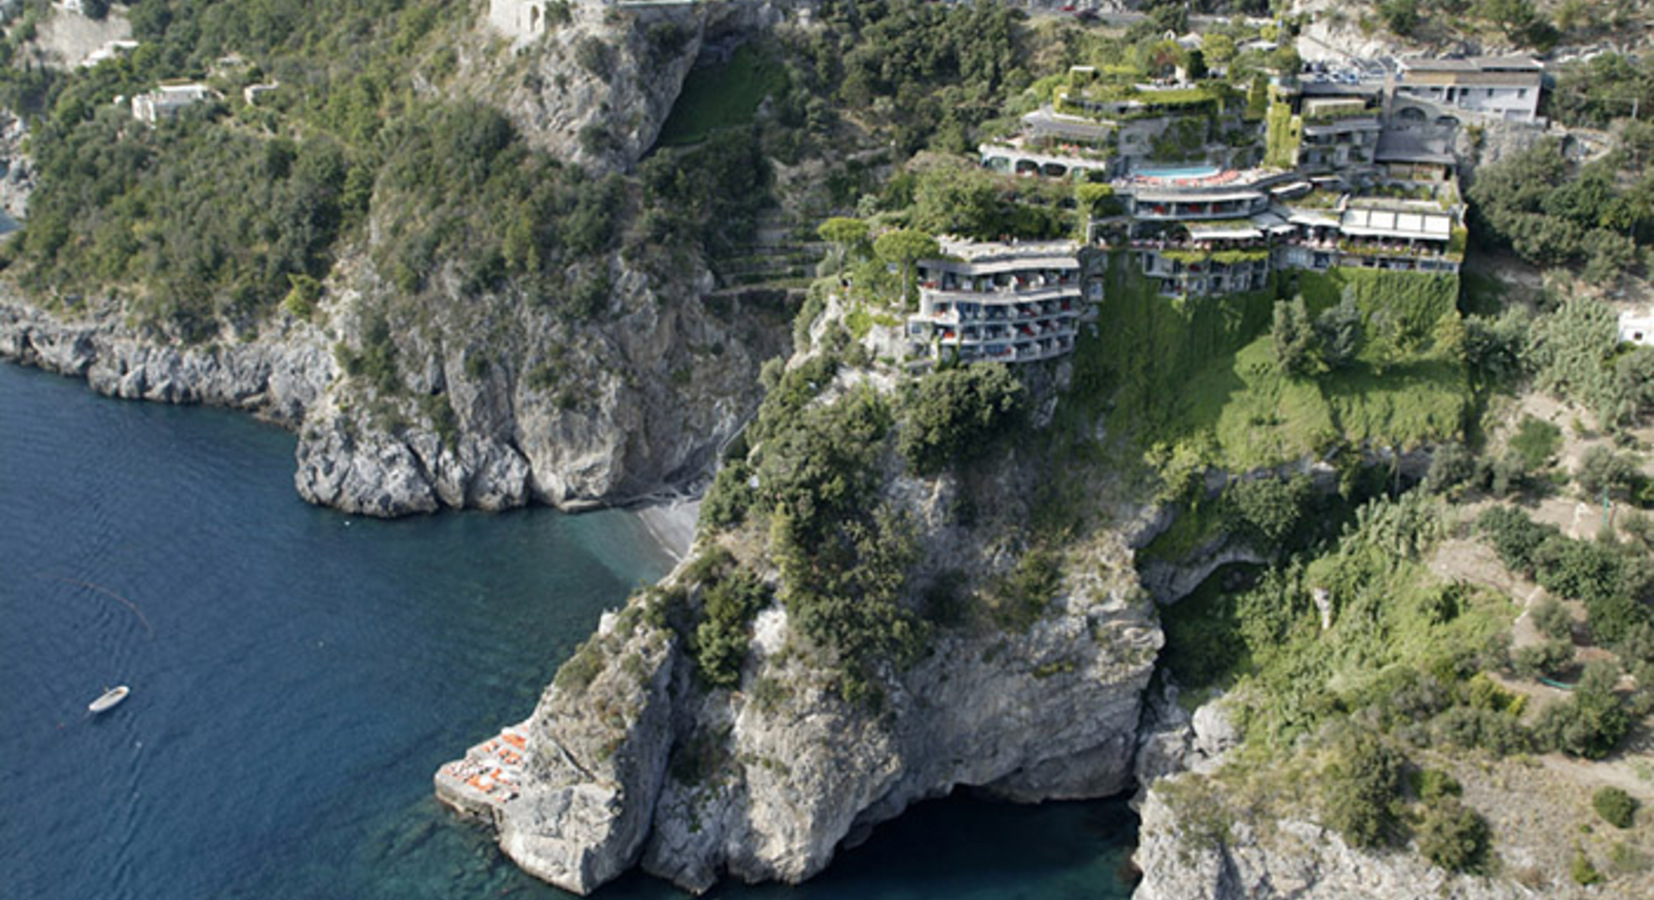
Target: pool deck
x,y
488,778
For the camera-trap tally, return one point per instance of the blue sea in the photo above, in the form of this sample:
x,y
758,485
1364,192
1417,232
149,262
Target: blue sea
x,y
298,674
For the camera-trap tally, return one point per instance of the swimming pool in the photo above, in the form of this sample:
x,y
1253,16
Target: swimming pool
x,y
1179,172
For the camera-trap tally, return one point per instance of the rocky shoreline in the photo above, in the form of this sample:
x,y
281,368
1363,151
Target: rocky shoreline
x,y
502,454
279,380
634,768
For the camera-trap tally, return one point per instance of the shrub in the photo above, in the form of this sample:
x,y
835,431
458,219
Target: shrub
x,y
1018,598
574,676
1546,658
1507,473
955,415
721,642
1451,465
1588,724
1360,792
1269,508
595,57
1574,349
1400,16
1434,784
1453,835
1537,441
730,496
1589,571
1338,332
1292,337
1482,692
300,301
1552,619
1615,806
1496,732
1603,472
1515,537
1495,349
1582,871
814,304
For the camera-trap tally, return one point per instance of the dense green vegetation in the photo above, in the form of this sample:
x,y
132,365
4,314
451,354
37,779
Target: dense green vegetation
x,y
210,217
957,415
1606,87
214,218
1403,653
928,73
1199,376
1553,213
954,196
1526,23
842,556
214,224
1616,582
730,597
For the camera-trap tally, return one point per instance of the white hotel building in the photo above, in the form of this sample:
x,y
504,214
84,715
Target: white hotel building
x,y
1011,302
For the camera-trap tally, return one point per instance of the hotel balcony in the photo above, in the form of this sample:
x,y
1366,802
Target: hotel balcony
x,y
1230,206
1020,340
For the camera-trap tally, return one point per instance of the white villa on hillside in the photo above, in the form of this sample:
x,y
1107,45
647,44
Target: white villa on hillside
x,y
1504,86
168,100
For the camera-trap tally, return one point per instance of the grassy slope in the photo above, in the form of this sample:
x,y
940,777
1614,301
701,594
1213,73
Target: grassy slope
x,y
722,96
1199,368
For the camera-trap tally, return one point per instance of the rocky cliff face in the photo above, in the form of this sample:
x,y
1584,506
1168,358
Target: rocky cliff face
x,y
767,782
636,761
280,375
16,174
502,402
497,403
489,402
1193,847
592,83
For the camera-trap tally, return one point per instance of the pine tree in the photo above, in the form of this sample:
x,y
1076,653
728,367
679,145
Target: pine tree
x,y
1293,336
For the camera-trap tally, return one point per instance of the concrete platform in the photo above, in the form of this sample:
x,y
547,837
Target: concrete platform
x,y
488,778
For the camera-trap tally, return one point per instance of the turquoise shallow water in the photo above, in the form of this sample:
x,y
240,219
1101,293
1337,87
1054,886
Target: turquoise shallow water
x,y
298,674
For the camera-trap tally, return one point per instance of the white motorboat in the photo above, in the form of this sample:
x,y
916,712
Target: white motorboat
x,y
110,699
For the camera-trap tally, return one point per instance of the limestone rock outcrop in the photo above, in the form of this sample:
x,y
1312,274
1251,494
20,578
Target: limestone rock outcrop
x,y
768,780
497,404
593,83
16,170
279,376
598,752
1184,857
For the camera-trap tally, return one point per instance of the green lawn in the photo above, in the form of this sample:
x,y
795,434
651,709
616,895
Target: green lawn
x,y
722,96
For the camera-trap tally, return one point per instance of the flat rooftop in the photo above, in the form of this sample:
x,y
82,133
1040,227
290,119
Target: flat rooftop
x,y
1383,223
1009,254
1471,64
